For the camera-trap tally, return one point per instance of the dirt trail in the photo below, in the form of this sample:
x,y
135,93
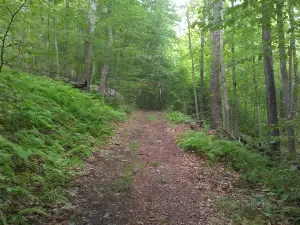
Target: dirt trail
x,y
142,177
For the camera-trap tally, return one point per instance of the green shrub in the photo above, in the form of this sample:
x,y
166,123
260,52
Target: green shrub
x,y
177,117
46,129
281,182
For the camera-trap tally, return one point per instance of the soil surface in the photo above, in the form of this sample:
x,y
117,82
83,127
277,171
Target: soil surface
x,y
142,177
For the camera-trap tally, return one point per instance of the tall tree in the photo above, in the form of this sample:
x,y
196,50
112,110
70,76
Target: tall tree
x,y
215,64
282,55
193,62
105,68
56,48
234,111
269,75
224,94
67,31
293,69
88,47
202,91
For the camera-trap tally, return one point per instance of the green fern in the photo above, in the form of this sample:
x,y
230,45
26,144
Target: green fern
x,y
50,128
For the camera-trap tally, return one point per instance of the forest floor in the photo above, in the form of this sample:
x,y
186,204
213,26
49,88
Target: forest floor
x,y
142,177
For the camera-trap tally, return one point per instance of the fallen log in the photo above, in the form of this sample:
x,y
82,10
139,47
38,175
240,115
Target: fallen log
x,y
80,86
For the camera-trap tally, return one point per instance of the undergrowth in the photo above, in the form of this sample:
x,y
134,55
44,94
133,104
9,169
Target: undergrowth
x,y
280,182
46,130
177,117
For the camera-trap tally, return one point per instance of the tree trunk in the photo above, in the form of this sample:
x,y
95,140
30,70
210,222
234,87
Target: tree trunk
x,y
202,92
224,94
256,104
293,63
56,49
105,69
12,17
215,66
104,76
193,63
269,77
88,47
49,47
235,112
67,50
21,45
284,75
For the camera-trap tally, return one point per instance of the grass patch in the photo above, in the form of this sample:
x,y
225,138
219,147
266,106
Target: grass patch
x,y
46,129
151,118
133,145
178,117
125,183
242,211
155,164
281,182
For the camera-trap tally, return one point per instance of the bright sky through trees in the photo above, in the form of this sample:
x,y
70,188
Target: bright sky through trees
x,y
180,2
182,25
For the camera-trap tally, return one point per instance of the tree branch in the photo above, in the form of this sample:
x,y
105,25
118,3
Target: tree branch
x,y
7,8
7,30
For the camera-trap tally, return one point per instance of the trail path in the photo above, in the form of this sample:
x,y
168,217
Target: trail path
x,y
142,177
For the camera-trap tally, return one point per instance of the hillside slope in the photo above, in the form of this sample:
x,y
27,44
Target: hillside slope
x,y
46,129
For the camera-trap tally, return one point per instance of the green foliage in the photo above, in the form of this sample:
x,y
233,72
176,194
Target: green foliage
x,y
47,128
242,211
281,182
178,117
133,145
151,118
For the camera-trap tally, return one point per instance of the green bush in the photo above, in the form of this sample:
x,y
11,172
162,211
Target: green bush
x,y
280,181
177,117
47,128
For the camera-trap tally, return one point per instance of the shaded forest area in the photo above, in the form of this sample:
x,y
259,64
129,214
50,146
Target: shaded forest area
x,y
234,68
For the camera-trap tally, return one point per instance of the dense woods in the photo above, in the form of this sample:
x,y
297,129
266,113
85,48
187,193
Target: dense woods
x,y
234,67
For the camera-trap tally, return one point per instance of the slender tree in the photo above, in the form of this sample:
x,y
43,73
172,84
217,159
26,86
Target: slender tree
x,y
193,62
235,112
56,48
12,17
202,90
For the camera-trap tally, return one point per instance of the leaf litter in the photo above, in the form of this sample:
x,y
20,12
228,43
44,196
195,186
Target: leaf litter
x,y
142,177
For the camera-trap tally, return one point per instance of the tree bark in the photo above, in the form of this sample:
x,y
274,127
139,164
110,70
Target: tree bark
x,y
215,66
193,63
235,112
67,50
56,49
269,77
256,104
224,93
49,46
282,54
88,47
293,64
105,69
202,91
